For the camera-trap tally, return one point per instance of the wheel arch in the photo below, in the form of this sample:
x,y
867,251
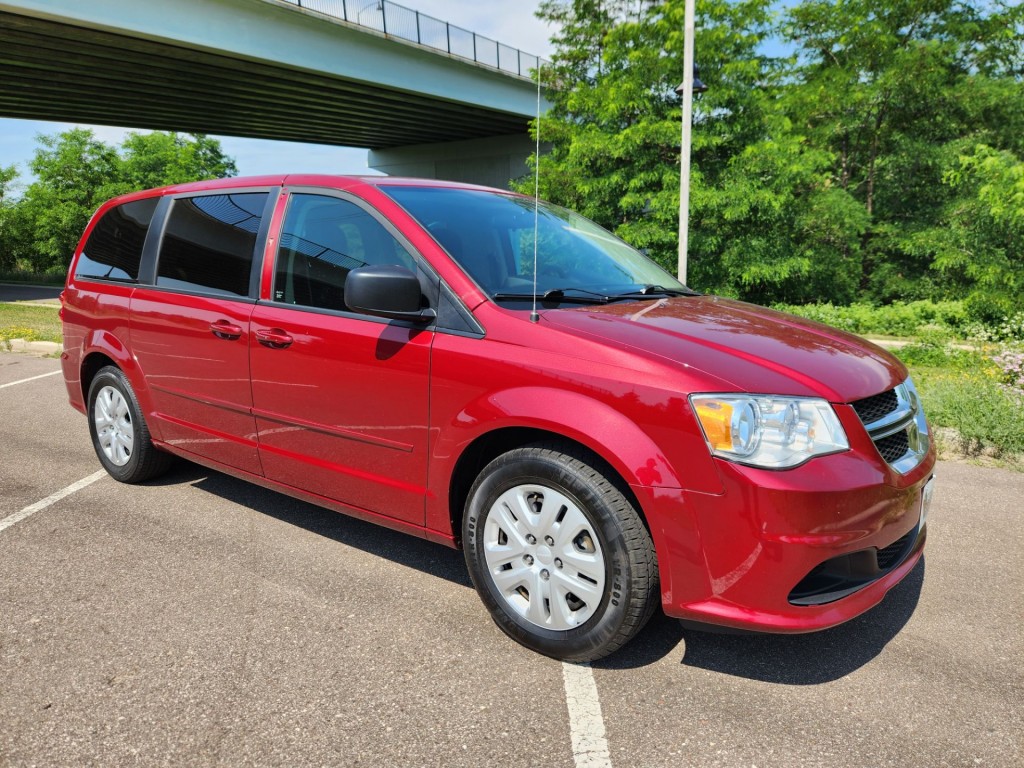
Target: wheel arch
x,y
103,348
91,365
527,415
490,445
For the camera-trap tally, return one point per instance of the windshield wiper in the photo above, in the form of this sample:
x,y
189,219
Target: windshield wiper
x,y
557,295
572,295
656,291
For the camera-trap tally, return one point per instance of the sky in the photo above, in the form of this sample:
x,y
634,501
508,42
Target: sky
x,y
511,22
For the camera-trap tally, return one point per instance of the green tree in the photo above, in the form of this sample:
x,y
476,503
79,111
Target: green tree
x,y
8,218
157,159
763,212
75,173
826,175
893,90
982,229
614,126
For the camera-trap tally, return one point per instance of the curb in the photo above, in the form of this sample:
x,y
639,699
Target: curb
x,y
34,347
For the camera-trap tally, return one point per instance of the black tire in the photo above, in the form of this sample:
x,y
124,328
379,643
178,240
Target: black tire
x,y
143,461
629,593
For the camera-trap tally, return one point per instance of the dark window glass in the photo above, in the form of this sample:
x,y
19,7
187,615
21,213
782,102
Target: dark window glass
x,y
492,235
209,242
323,239
114,248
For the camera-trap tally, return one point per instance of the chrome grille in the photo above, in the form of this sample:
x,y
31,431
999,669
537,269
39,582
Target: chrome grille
x,y
896,424
877,406
893,447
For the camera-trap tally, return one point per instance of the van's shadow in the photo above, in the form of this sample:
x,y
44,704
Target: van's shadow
x,y
425,556
810,659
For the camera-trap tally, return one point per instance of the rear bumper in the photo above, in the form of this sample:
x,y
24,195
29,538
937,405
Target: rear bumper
x,y
794,551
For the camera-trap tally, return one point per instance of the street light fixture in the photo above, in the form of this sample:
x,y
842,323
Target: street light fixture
x,y
691,84
699,86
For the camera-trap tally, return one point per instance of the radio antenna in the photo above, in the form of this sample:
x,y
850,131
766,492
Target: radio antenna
x,y
534,317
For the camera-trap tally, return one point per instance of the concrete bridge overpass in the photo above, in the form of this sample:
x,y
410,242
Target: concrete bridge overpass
x,y
427,98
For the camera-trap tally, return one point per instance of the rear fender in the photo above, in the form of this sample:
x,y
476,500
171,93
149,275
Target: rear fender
x,y
103,342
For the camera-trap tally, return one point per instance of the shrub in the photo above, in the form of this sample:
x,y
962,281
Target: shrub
x,y
897,319
1011,365
1004,329
983,413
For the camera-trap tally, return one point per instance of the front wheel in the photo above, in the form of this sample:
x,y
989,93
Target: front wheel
x,y
119,433
558,554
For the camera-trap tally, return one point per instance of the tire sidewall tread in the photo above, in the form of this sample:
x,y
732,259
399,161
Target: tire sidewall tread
x,y
632,578
146,461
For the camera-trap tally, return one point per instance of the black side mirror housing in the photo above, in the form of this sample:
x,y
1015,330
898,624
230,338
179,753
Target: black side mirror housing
x,y
386,290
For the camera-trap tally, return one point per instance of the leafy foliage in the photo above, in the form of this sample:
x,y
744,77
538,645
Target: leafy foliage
x,y
8,219
75,172
909,319
881,162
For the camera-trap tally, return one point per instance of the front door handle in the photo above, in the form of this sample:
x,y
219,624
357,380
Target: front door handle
x,y
274,338
222,329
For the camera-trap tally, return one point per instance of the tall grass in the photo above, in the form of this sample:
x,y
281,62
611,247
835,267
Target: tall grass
x,y
967,390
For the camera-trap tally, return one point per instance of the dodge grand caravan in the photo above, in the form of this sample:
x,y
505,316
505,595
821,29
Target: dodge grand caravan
x,y
597,437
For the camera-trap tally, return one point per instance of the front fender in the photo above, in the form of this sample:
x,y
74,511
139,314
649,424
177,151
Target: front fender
x,y
607,432
610,433
598,426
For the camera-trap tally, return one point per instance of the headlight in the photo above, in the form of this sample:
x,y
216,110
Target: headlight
x,y
767,430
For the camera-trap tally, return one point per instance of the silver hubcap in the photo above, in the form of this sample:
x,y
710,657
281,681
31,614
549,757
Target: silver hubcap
x,y
544,557
114,429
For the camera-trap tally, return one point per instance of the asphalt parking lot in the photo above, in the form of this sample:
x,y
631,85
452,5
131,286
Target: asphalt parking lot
x,y
199,620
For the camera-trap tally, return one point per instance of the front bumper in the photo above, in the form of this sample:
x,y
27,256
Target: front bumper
x,y
790,551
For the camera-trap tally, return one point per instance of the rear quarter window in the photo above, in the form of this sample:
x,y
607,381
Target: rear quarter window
x,y
209,242
114,248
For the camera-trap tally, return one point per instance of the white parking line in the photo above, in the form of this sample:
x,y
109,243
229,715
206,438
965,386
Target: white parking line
x,y
30,378
53,498
586,726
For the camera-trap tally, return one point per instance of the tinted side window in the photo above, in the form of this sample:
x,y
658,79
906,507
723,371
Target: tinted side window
x,y
323,239
209,242
114,247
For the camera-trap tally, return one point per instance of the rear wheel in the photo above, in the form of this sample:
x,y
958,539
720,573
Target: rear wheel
x,y
558,554
119,433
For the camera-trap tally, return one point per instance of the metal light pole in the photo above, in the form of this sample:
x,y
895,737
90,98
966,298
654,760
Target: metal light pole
x,y
686,89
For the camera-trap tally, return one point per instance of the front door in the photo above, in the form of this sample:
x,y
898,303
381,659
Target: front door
x,y
340,399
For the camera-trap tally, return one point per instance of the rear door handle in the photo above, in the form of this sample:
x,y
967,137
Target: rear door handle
x,y
274,338
222,329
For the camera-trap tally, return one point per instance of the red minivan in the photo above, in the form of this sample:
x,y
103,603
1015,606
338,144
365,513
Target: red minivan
x,y
461,364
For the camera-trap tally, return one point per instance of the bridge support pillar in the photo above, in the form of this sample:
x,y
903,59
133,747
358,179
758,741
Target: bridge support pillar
x,y
493,161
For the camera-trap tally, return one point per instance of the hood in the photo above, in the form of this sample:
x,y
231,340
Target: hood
x,y
750,348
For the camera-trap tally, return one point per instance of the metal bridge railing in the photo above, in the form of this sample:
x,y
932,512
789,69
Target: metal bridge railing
x,y
394,20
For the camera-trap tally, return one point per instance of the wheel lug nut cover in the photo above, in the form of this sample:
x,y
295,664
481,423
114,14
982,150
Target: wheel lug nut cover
x,y
545,575
528,559
558,562
549,541
530,538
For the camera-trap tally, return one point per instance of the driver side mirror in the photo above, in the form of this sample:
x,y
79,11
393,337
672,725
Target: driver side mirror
x,y
386,290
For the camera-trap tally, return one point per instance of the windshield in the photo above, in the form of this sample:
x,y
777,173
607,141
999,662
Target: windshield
x,y
491,235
